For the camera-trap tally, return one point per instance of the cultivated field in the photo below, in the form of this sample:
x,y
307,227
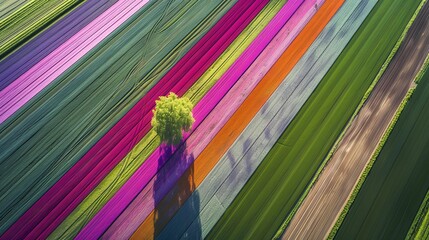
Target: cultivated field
x,y
27,20
275,86
237,165
391,194
325,201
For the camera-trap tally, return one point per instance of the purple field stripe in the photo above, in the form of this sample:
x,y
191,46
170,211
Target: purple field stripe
x,y
47,70
36,49
130,220
84,176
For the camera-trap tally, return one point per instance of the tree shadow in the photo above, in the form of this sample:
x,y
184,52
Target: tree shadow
x,y
178,191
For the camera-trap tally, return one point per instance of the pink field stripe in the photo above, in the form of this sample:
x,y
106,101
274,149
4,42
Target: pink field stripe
x,y
48,69
60,200
144,203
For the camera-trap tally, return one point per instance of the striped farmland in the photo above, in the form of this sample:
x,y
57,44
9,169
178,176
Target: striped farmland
x,y
199,169
30,18
78,83
104,107
149,168
225,183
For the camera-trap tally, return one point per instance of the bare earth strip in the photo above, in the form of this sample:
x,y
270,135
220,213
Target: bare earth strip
x,y
325,201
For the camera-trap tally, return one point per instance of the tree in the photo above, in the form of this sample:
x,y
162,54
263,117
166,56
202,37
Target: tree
x,y
171,117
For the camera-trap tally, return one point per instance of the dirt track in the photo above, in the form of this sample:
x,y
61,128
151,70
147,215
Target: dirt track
x,y
325,201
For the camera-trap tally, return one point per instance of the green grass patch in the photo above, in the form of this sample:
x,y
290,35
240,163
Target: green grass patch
x,y
271,194
29,20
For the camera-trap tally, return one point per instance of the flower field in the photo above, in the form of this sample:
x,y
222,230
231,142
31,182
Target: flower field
x,y
309,119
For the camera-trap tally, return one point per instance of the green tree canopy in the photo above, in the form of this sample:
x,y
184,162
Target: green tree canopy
x,y
171,117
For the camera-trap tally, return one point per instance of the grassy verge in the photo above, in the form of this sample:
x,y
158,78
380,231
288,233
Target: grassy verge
x,y
422,71
25,23
419,228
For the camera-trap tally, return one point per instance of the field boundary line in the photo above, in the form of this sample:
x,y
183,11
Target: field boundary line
x,y
422,71
419,219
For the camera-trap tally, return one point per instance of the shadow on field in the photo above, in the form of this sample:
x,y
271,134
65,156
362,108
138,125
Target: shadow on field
x,y
180,194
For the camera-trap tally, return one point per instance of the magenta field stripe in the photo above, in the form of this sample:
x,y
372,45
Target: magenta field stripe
x,y
78,182
144,175
48,69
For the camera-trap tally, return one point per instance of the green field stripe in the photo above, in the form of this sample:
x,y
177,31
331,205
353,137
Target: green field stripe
x,y
312,133
27,21
8,7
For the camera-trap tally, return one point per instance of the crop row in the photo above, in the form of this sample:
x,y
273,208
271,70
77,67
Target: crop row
x,y
29,20
197,169
47,41
30,83
10,6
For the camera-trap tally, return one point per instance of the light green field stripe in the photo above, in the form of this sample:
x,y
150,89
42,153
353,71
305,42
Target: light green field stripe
x,y
27,21
423,233
8,7
124,170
